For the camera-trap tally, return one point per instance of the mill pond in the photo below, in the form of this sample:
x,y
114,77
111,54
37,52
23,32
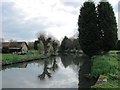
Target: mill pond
x,y
54,72
91,56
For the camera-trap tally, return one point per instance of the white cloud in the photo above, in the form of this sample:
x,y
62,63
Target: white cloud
x,y
52,13
58,16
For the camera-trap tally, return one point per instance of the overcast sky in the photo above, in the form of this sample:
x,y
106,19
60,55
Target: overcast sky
x,y
23,19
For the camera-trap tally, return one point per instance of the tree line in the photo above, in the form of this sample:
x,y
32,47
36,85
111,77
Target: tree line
x,y
46,45
97,29
69,45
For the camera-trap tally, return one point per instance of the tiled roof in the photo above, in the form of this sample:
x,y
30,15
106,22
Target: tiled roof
x,y
12,44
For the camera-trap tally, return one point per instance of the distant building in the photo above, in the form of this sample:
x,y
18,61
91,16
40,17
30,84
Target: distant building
x,y
11,47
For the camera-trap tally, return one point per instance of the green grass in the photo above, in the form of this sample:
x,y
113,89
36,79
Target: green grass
x,y
16,56
104,64
109,84
0,56
10,58
107,65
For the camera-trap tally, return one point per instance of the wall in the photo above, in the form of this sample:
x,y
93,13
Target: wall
x,y
24,48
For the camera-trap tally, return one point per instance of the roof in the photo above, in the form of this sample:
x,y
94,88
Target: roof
x,y
5,44
13,44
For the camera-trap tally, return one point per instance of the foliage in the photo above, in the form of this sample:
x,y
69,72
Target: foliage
x,y
63,46
89,35
42,41
31,45
41,47
5,50
118,45
47,45
110,84
105,65
69,45
76,44
55,46
107,25
36,45
103,76
100,67
97,28
50,48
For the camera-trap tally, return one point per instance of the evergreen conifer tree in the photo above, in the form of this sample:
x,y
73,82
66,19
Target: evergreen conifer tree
x,y
89,34
107,25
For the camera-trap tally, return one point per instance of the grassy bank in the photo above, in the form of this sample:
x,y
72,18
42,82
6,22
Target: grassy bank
x,y
108,66
14,58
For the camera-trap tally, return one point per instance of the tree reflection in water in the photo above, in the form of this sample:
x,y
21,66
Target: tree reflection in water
x,y
85,79
54,66
46,70
79,64
83,64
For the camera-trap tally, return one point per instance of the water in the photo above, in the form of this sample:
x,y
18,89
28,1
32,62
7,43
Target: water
x,y
55,72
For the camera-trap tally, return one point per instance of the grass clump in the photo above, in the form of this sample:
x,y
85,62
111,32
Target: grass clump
x,y
104,65
110,84
108,66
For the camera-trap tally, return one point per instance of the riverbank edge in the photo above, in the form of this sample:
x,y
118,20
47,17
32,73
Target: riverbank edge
x,y
34,58
28,59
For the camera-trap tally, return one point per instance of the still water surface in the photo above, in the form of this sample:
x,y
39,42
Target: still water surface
x,y
54,72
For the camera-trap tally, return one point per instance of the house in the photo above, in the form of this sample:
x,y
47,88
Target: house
x,y
11,47
0,47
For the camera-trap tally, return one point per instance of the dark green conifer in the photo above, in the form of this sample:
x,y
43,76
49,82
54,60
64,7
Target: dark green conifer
x,y
107,25
89,34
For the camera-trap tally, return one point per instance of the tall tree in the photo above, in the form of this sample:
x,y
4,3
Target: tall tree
x,y
107,25
89,34
55,46
41,47
31,45
63,44
118,45
36,45
44,40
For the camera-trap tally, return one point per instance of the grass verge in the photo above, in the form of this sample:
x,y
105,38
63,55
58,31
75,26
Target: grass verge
x,y
107,65
14,58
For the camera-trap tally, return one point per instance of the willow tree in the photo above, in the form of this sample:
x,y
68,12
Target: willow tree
x,y
41,47
89,34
